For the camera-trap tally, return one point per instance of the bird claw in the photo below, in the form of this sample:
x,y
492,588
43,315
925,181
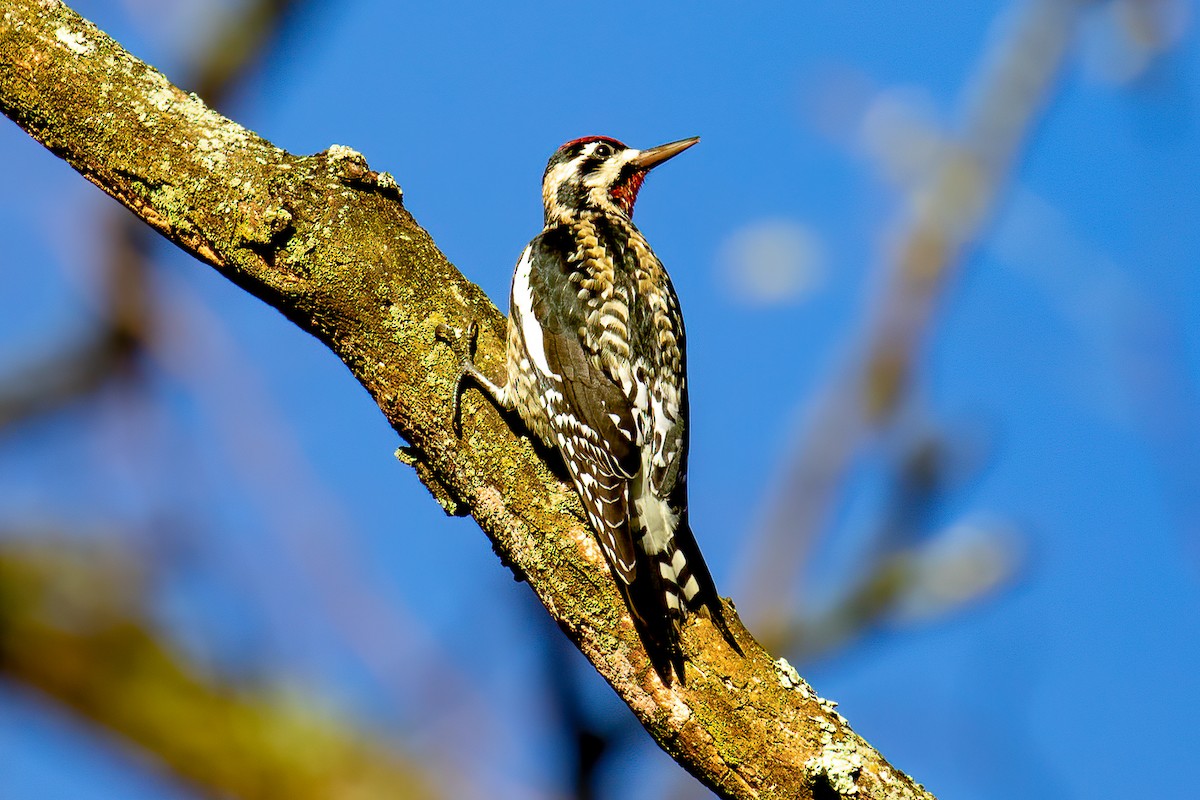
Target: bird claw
x,y
450,335
466,369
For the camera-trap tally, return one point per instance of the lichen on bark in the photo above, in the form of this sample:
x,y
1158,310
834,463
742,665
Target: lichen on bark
x,y
328,242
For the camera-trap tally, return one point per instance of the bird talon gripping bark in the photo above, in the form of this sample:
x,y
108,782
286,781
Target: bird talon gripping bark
x,y
469,373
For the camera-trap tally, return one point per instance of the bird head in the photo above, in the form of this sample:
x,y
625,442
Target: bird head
x,y
600,174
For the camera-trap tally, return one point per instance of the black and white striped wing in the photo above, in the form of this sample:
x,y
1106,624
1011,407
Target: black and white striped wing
x,y
589,419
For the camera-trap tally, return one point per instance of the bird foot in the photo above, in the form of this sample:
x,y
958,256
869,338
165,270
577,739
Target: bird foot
x,y
467,369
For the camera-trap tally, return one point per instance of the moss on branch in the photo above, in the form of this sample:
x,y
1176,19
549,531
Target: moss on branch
x,y
329,243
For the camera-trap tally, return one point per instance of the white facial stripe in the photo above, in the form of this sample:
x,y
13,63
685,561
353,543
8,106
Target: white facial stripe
x,y
555,178
564,171
607,173
597,183
610,170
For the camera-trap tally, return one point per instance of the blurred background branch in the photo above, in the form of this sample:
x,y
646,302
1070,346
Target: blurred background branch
x,y
71,627
140,324
872,408
531,714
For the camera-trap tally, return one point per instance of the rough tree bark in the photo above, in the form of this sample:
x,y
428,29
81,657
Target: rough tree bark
x,y
329,243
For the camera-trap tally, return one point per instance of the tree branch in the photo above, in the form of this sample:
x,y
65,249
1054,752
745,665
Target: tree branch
x,y
70,626
328,243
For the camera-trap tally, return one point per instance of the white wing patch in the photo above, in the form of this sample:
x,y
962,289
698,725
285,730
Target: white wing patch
x,y
531,332
664,411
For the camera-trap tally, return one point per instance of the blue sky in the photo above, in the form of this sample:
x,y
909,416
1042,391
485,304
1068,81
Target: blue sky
x,y
1064,359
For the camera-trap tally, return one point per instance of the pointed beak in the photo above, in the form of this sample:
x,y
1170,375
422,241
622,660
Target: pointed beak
x,y
648,159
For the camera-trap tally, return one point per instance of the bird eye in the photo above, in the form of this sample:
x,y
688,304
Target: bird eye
x,y
602,150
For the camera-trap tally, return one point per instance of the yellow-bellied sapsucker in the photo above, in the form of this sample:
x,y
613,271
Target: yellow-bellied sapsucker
x,y
597,368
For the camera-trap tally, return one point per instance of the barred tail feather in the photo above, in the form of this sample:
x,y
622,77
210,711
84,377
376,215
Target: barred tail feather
x,y
669,585
705,596
656,625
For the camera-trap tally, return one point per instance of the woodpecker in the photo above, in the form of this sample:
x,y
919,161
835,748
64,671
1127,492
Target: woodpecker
x,y
597,369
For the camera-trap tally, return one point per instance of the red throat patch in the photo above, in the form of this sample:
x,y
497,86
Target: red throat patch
x,y
626,193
